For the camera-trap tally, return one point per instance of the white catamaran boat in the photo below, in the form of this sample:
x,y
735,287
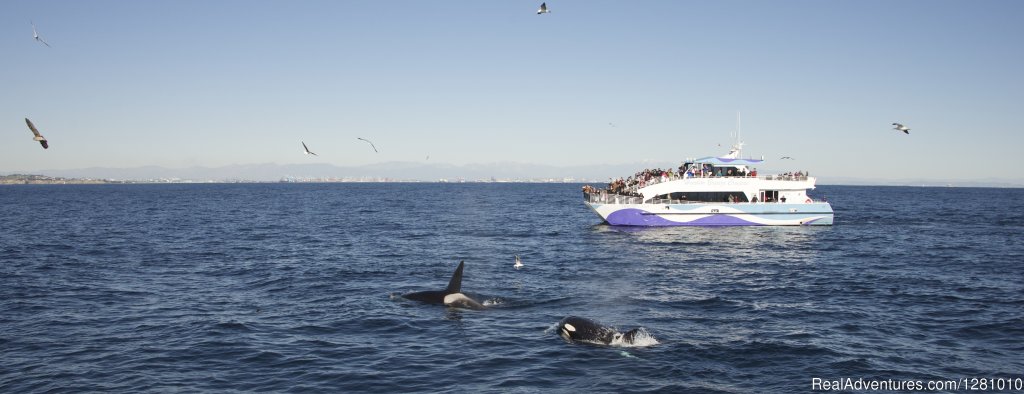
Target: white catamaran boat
x,y
711,191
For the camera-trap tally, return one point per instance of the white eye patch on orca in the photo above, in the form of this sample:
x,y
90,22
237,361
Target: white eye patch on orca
x,y
567,329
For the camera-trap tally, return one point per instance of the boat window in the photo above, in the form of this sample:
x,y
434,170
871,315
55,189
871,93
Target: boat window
x,y
735,196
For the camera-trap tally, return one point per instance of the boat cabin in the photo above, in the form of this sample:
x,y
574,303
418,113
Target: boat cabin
x,y
720,167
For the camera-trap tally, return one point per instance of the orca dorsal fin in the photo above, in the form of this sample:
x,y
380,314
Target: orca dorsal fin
x,y
455,285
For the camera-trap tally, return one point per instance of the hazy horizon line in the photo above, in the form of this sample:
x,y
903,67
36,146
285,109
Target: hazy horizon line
x,y
438,172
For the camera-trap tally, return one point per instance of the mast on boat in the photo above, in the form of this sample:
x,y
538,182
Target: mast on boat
x,y
734,153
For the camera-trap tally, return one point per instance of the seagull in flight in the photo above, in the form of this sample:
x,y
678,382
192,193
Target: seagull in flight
x,y
35,35
308,152
612,124
38,137
785,158
371,144
900,127
519,263
543,9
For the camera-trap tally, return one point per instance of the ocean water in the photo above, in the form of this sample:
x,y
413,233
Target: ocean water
x,y
295,288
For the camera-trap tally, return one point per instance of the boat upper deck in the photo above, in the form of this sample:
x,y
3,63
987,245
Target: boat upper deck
x,y
768,188
728,178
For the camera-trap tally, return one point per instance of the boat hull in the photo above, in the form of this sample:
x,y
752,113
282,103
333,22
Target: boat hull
x,y
712,214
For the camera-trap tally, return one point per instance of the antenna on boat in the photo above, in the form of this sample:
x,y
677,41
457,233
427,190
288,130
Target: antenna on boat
x,y
738,145
739,131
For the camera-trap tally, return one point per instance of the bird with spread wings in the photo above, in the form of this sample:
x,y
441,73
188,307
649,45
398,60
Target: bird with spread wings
x,y
38,137
371,144
308,152
35,35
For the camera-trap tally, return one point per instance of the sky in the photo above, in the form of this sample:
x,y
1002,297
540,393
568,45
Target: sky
x,y
215,83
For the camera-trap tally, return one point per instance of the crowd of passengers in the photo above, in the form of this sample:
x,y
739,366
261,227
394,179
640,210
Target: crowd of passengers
x,y
629,186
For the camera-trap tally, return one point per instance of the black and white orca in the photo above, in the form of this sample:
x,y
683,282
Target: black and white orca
x,y
451,296
578,329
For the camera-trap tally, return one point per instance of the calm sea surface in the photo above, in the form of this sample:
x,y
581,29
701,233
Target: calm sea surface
x,y
294,287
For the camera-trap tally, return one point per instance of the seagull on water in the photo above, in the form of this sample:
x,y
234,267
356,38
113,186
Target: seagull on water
x,y
308,152
35,35
368,142
543,9
900,127
518,264
38,137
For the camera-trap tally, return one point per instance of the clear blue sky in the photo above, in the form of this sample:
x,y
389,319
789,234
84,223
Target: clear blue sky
x,y
212,83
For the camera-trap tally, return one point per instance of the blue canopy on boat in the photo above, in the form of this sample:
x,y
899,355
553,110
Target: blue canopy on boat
x,y
720,161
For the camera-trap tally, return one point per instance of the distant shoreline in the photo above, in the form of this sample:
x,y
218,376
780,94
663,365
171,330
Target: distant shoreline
x,y
22,179
19,179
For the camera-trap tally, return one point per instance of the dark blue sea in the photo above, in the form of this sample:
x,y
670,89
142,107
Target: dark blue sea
x,y
295,288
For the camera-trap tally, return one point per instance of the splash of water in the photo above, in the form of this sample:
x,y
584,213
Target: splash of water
x,y
643,338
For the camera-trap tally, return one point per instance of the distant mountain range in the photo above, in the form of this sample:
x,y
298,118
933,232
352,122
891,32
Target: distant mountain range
x,y
433,172
986,182
397,171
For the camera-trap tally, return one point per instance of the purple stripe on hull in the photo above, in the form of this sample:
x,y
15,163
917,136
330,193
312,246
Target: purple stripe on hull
x,y
637,217
722,220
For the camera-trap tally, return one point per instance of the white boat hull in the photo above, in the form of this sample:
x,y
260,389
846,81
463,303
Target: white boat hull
x,y
715,214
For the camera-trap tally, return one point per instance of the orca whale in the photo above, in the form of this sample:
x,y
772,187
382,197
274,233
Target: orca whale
x,y
579,329
450,296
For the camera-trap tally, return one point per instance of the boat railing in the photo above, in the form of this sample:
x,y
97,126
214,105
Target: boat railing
x,y
612,198
782,177
777,177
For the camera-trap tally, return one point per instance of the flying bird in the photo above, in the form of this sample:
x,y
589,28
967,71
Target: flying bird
x,y
38,137
518,264
368,142
308,152
785,158
611,124
900,127
543,9
35,35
